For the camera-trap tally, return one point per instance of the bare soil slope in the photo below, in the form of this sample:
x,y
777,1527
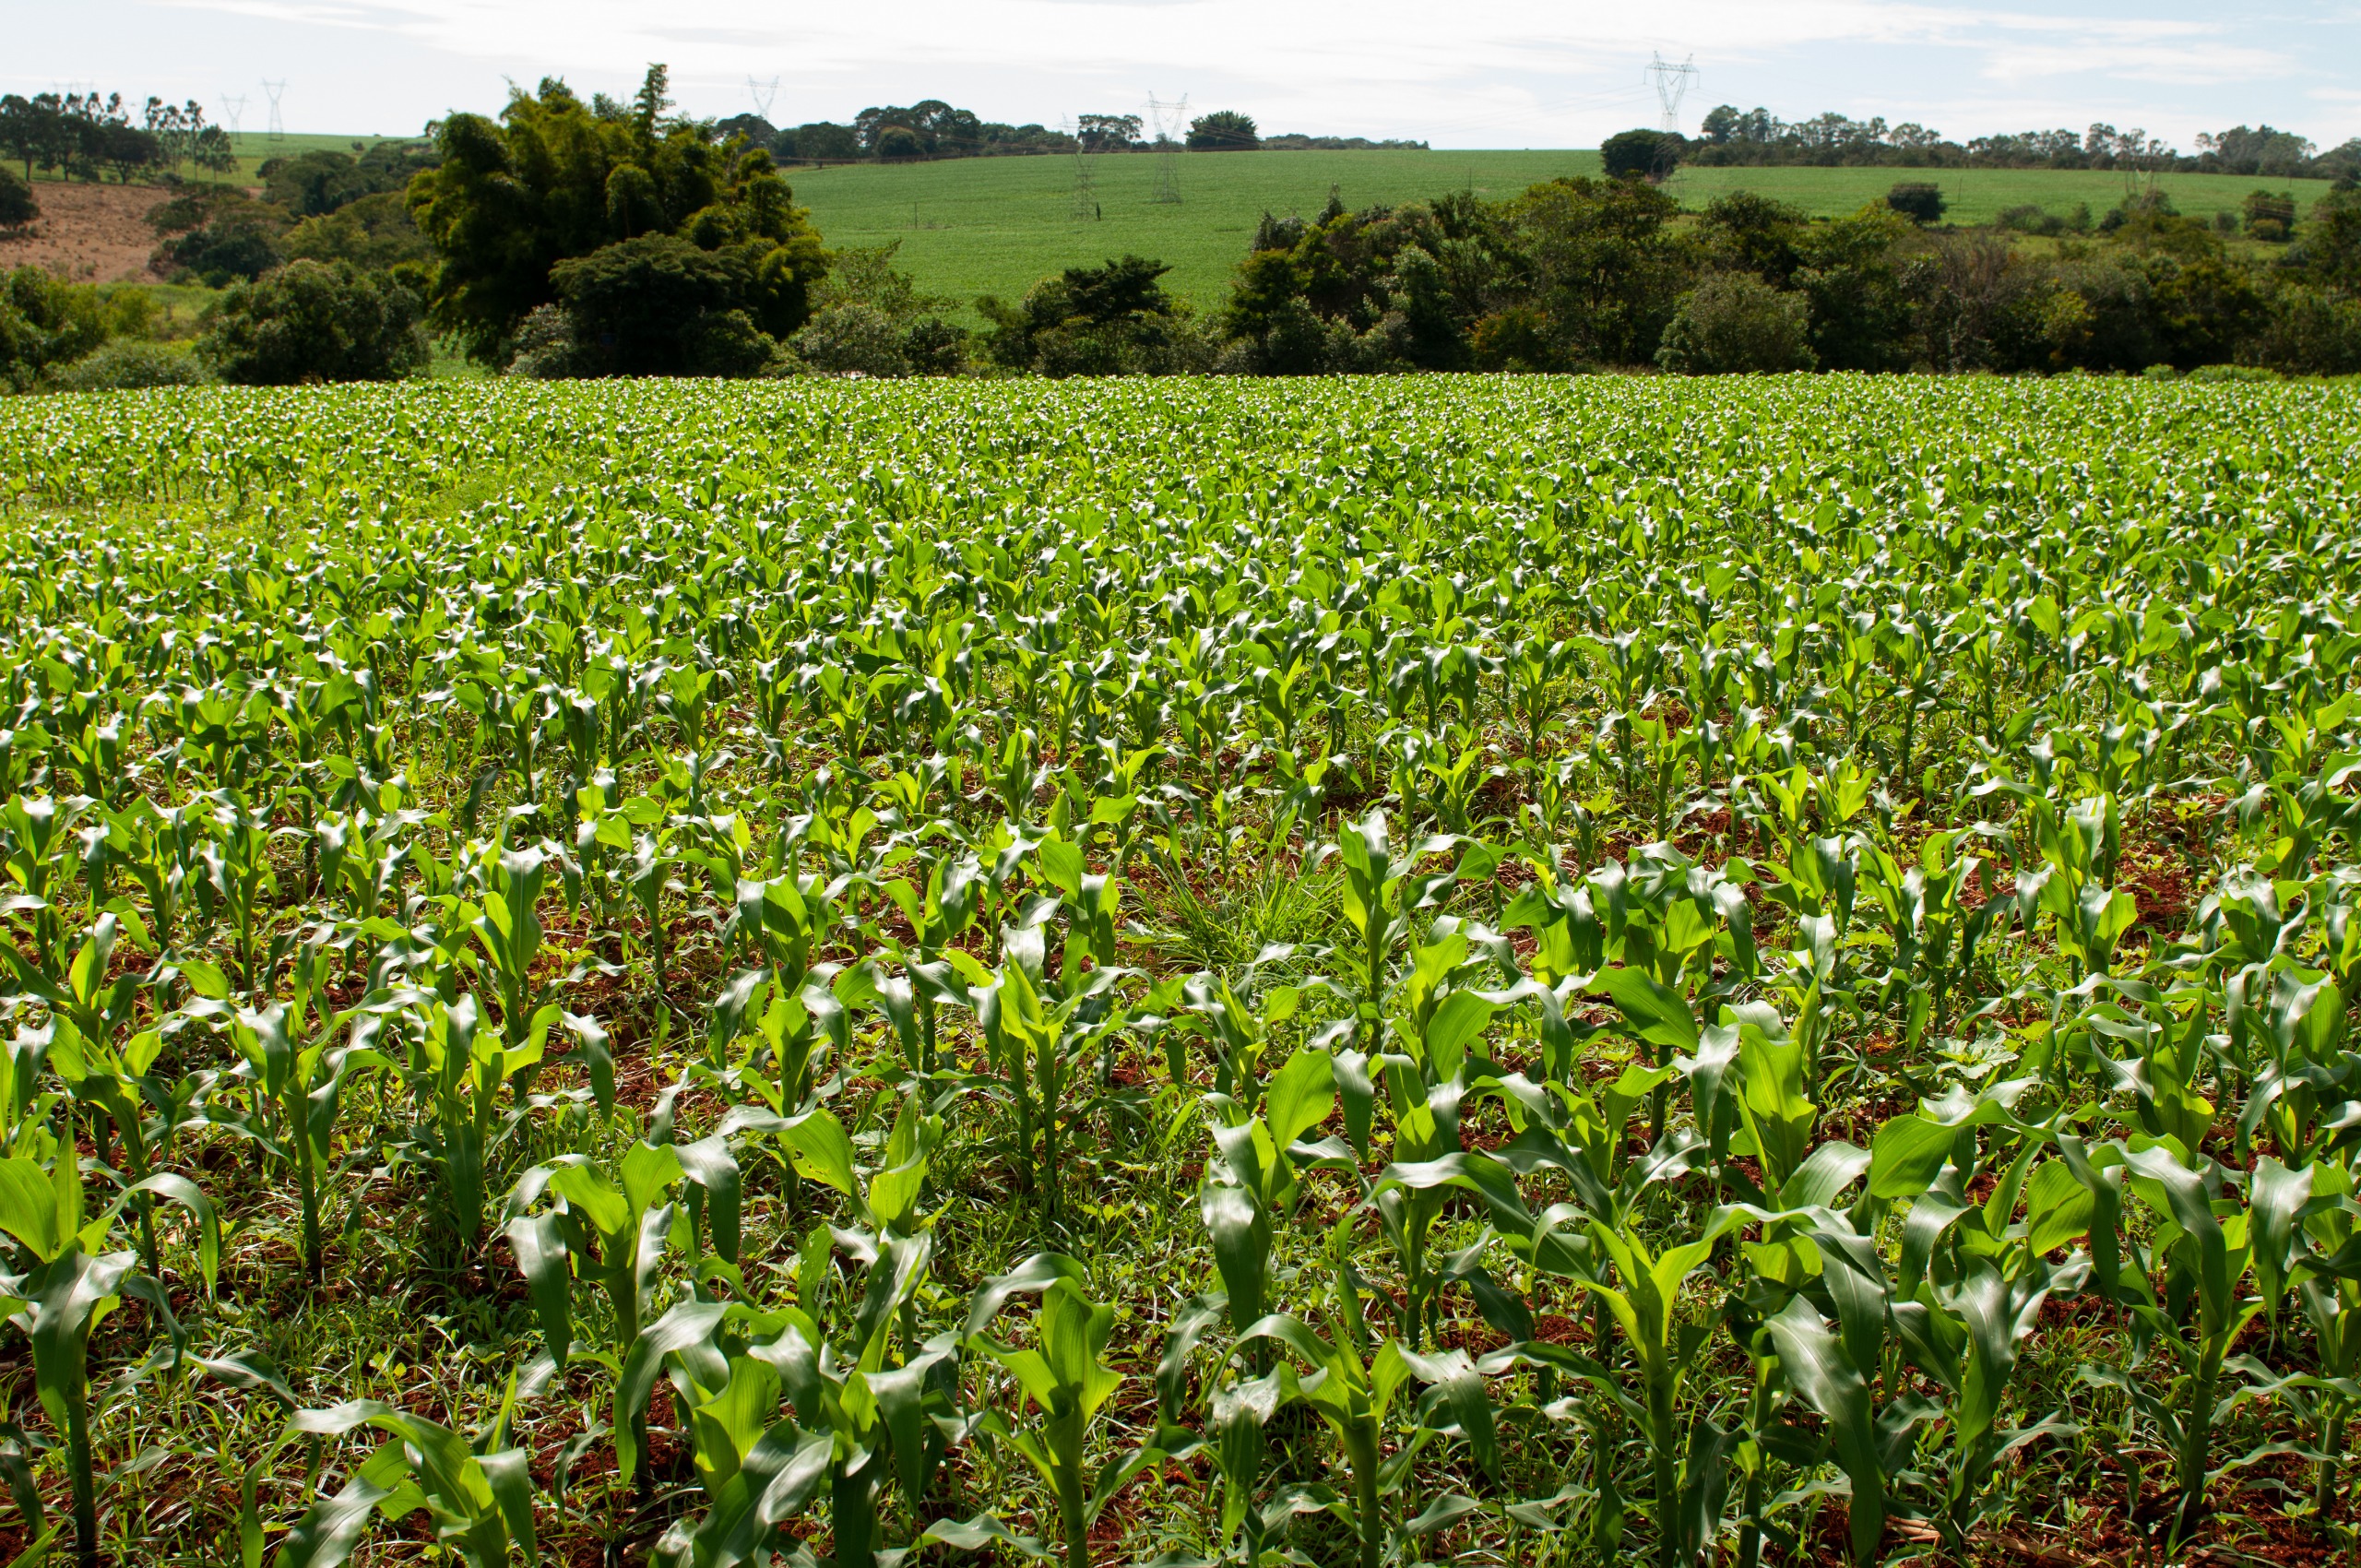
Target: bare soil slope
x,y
88,233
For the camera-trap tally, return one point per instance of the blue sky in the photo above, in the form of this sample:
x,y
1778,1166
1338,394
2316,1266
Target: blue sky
x,y
1506,73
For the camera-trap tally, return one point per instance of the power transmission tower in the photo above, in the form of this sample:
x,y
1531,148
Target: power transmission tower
x,y
1171,121
233,109
1086,175
764,94
278,131
1672,85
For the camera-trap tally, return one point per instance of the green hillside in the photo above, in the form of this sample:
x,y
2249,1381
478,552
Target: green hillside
x,y
995,226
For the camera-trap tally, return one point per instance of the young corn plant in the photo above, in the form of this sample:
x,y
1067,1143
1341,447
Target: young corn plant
x,y
615,1233
1065,1373
1351,1392
478,1494
71,1283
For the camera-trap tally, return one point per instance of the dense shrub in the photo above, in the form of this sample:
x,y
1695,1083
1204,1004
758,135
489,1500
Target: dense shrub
x,y
17,207
45,322
1109,320
126,364
658,305
1916,199
315,321
1649,154
1734,321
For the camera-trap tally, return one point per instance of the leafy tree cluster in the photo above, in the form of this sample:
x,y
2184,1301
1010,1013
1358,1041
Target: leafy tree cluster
x,y
313,321
1114,319
81,336
321,206
1582,272
1224,130
17,207
1295,141
930,128
81,136
554,180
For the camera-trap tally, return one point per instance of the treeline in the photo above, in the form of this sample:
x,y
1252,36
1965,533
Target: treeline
x,y
1729,135
931,128
81,136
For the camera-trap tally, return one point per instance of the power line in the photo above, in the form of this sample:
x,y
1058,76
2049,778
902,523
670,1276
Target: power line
x,y
764,94
1171,120
1085,174
1672,85
278,131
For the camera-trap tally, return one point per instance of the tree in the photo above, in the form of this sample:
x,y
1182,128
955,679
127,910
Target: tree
x,y
1747,232
824,141
1641,154
44,322
23,128
1107,133
659,305
1224,130
1921,203
1603,264
899,144
17,204
2330,252
1735,323
315,321
553,178
1109,320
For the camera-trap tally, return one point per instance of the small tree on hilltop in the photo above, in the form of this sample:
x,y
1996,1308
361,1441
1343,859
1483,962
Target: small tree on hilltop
x,y
1921,203
1649,155
1224,130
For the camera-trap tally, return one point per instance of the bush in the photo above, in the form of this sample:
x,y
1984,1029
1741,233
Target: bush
x,y
1224,130
1109,320
1735,323
44,322
124,365
546,349
315,321
1921,203
17,207
857,340
1650,154
2271,216
224,252
658,305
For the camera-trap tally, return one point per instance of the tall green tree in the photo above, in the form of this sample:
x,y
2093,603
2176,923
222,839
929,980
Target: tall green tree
x,y
554,177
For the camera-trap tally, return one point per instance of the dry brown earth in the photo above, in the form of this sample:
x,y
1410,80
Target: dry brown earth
x,y
88,233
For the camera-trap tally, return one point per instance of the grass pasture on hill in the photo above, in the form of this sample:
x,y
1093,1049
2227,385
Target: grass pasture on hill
x,y
1544,970
996,226
999,225
1979,196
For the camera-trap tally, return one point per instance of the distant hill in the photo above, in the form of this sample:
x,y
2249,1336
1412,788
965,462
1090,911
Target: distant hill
x,y
995,226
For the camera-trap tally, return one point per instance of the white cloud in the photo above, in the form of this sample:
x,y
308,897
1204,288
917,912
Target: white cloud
x,y
1511,72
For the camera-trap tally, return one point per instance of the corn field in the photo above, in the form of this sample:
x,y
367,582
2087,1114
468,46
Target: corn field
x,y
1455,971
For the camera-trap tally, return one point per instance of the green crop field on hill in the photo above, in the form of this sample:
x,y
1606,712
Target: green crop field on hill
x,y
996,226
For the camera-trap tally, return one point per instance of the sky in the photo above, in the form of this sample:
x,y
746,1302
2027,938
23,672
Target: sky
x,y
1499,73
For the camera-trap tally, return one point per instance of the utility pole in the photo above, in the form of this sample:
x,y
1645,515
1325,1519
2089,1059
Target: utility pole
x,y
1171,121
233,109
1086,175
764,94
278,131
1672,85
